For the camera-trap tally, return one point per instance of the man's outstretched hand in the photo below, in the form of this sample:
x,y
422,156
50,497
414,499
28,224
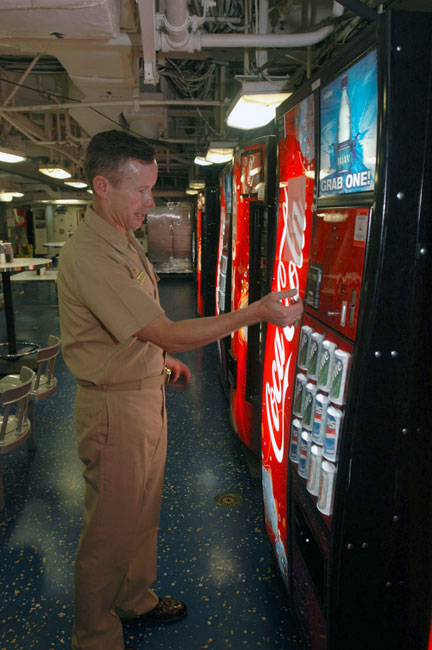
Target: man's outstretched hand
x,y
282,308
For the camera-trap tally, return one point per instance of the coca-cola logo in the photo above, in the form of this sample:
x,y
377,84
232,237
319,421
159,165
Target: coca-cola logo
x,y
289,263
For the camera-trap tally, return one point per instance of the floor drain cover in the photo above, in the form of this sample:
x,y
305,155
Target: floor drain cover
x,y
228,499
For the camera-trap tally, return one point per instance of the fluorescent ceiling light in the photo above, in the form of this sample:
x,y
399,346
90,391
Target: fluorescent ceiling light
x,y
11,156
256,105
65,201
9,196
191,191
55,171
197,183
75,182
220,152
199,160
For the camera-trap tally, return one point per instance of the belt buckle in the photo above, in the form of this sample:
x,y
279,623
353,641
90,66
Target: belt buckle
x,y
167,373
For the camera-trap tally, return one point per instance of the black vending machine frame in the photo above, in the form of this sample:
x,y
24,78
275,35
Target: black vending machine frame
x,y
375,589
209,248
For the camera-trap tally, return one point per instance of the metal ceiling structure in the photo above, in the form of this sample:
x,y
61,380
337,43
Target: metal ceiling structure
x,y
166,70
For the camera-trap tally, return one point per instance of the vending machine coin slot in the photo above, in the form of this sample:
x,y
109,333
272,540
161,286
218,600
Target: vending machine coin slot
x,y
352,307
343,313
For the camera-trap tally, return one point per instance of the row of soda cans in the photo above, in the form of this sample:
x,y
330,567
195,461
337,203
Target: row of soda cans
x,y
324,363
315,413
320,473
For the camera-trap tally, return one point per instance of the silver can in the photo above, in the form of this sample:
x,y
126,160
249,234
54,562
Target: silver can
x,y
304,346
326,365
326,488
309,405
339,376
314,355
305,451
299,394
296,431
322,403
332,433
313,482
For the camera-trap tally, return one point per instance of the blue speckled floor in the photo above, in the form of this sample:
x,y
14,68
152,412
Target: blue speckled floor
x,y
217,559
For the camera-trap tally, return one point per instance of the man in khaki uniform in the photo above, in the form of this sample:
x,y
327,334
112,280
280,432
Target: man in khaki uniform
x,y
115,341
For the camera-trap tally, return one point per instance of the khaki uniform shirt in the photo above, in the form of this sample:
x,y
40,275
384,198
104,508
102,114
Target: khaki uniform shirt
x,y
107,292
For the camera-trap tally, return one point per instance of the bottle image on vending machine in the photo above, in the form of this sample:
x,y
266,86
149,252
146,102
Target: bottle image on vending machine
x,y
344,132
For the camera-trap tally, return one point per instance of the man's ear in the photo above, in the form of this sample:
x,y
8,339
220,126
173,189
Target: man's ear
x,y
101,186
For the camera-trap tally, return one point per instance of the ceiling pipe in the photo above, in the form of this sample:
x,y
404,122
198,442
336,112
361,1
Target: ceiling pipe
x,y
196,39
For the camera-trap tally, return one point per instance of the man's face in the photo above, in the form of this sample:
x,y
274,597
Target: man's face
x,y
131,198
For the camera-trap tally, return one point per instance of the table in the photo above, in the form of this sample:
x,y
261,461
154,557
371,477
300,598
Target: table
x,y
54,244
19,264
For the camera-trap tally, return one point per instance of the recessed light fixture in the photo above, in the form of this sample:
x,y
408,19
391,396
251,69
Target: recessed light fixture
x,y
256,105
199,160
220,152
197,183
11,156
77,183
54,171
9,196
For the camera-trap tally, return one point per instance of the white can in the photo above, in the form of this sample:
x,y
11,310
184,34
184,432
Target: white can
x,y
304,346
326,488
299,394
332,433
314,355
326,365
339,376
305,451
309,405
322,403
296,431
313,482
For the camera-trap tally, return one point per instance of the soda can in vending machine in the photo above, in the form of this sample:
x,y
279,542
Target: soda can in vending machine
x,y
296,431
309,405
319,418
299,394
313,482
326,488
332,433
304,346
305,451
314,354
339,375
326,365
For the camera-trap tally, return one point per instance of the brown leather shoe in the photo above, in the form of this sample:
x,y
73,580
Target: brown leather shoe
x,y
168,610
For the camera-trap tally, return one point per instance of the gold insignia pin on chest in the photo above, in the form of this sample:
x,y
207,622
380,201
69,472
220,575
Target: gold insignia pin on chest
x,y
141,276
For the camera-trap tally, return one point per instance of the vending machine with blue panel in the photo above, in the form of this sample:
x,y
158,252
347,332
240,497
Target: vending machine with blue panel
x,y
347,417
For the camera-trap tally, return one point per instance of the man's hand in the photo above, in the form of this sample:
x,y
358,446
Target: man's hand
x,y
282,308
179,370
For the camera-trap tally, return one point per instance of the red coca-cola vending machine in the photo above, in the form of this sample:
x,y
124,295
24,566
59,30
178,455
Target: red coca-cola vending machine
x,y
346,449
253,218
223,269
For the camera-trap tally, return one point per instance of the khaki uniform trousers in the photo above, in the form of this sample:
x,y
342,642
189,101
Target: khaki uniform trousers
x,y
122,441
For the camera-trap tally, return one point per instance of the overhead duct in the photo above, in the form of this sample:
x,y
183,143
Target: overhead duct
x,y
195,39
98,19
